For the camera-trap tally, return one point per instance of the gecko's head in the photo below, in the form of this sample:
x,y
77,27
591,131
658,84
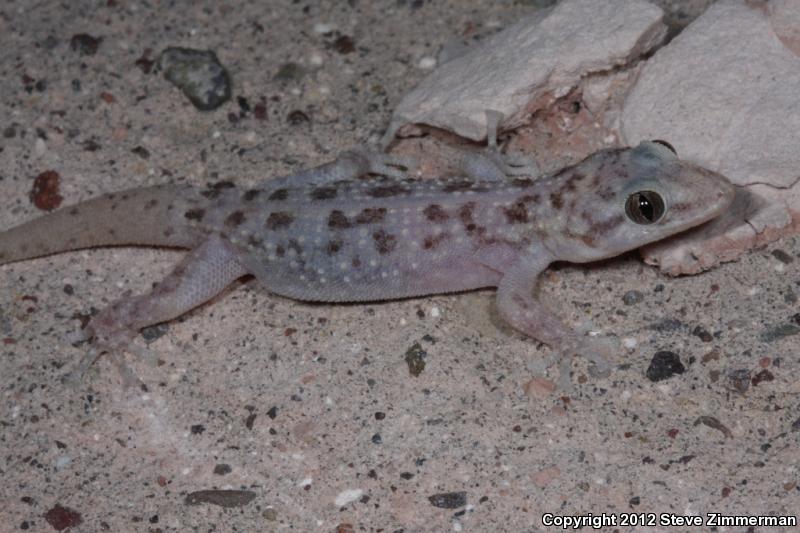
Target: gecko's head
x,y
645,194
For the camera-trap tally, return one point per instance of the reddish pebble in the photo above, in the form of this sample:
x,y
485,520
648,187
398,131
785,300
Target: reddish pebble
x,y
538,388
62,517
44,193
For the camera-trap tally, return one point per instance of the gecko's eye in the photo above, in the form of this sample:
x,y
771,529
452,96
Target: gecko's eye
x,y
665,143
644,207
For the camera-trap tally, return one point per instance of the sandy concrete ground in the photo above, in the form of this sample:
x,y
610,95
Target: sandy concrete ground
x,y
309,415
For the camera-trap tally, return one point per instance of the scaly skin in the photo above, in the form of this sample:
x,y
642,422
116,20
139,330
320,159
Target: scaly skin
x,y
334,234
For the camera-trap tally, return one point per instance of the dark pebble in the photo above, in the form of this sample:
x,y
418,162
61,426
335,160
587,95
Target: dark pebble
x,y
199,74
782,256
704,335
739,380
290,72
632,297
664,365
84,44
448,500
779,332
376,438
197,429
223,498
415,359
297,117
222,469
764,376
272,413
142,152
344,45
667,325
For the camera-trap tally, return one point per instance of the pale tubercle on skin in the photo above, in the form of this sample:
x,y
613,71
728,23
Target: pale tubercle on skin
x,y
345,232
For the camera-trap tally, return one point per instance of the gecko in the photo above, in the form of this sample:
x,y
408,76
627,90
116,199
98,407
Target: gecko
x,y
361,229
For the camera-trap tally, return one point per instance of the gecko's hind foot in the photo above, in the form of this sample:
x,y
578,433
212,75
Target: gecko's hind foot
x,y
129,378
111,339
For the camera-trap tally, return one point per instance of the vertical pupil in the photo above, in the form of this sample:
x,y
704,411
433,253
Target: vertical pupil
x,y
645,207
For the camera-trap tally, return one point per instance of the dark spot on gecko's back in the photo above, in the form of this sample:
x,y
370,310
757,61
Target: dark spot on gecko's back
x,y
384,242
517,213
386,191
195,214
432,241
73,211
254,241
459,185
574,178
251,195
371,215
150,204
556,200
356,262
235,219
435,213
280,251
323,193
278,220
294,245
214,190
279,195
338,220
333,246
465,215
522,183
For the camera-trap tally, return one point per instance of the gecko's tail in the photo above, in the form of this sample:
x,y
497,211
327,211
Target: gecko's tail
x,y
144,216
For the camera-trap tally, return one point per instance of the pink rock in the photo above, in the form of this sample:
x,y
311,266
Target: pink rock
x,y
530,64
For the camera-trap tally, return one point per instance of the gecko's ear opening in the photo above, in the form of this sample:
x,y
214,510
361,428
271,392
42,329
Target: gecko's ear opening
x,y
665,143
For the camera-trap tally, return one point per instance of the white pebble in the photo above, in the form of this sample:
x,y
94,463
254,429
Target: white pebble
x,y
630,343
427,63
347,496
39,147
323,28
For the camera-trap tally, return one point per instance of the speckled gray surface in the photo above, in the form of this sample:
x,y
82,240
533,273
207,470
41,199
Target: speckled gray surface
x,y
311,410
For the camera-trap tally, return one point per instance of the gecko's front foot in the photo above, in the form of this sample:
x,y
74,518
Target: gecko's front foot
x,y
597,351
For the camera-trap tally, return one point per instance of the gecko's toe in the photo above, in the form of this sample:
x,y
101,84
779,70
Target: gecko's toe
x,y
519,165
391,165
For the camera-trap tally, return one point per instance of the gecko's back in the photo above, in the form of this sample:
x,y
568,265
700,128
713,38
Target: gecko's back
x,y
379,238
335,234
